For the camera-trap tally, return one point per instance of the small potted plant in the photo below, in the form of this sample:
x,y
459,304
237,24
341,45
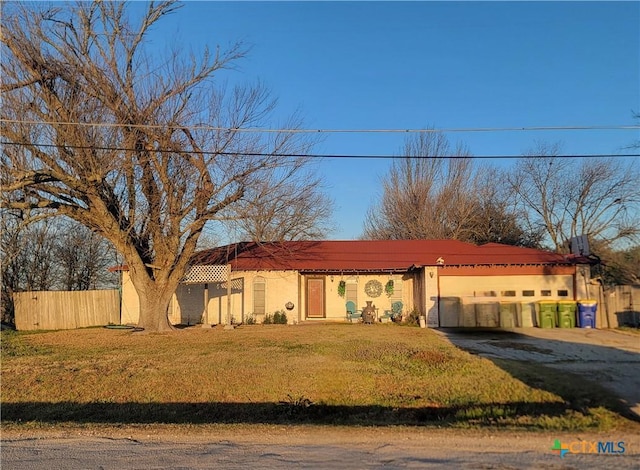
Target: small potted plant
x,y
342,288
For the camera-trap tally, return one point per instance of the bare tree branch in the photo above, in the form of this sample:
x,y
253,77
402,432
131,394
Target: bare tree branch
x,y
597,198
426,196
87,64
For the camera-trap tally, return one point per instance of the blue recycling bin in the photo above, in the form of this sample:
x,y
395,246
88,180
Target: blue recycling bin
x,y
587,313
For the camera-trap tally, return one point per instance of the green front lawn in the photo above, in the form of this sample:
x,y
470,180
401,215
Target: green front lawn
x,y
334,374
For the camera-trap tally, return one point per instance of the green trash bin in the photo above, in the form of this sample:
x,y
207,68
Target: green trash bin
x,y
547,313
508,314
567,313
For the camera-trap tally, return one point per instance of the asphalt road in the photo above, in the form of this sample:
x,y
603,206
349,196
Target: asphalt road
x,y
316,448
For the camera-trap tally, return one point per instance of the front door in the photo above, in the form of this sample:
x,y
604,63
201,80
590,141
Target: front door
x,y
315,297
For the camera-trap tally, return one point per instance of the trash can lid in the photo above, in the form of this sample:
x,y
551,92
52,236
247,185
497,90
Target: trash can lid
x,y
587,302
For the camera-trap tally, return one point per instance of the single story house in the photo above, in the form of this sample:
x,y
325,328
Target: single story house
x,y
451,283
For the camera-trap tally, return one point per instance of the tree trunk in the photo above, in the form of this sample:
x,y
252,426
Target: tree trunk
x,y
154,309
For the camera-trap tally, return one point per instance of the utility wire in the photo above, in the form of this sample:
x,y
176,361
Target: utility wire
x,y
330,131
317,155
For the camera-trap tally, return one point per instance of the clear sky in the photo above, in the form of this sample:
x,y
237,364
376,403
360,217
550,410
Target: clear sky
x,y
411,65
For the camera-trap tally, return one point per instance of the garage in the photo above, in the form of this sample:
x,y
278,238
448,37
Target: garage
x,y
507,296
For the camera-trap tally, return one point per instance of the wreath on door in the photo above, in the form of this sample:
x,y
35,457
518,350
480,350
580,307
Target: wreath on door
x,y
373,288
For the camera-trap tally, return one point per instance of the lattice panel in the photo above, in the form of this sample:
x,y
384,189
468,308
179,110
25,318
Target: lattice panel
x,y
205,273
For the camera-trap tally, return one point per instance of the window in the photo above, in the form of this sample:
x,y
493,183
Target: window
x,y
259,296
351,291
528,293
488,293
563,293
397,290
545,293
508,293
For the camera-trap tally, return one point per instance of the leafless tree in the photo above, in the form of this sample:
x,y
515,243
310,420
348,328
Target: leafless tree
x,y
288,204
635,145
99,130
27,258
495,220
424,194
436,192
51,254
622,267
568,197
83,259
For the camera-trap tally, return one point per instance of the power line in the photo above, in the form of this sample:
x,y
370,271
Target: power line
x,y
317,155
332,131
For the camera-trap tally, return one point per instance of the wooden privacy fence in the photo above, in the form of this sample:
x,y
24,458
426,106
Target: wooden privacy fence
x,y
623,306
64,310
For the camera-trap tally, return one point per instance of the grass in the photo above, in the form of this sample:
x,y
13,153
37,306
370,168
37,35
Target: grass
x,y
329,374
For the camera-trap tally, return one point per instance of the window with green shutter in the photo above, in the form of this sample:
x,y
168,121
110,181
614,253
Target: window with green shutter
x,y
259,296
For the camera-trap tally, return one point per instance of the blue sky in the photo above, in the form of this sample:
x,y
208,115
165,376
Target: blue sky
x,y
409,65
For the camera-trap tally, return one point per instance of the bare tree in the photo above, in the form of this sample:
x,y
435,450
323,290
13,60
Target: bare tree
x,y
99,130
621,267
636,143
27,258
436,192
83,258
288,204
495,219
424,194
568,197
51,254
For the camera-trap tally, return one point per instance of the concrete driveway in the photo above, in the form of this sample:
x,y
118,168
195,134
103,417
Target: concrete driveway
x,y
608,357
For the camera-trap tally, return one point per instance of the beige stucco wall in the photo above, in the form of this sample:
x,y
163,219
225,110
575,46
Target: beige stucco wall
x,y
585,288
336,304
431,290
280,287
187,305
461,295
130,309
473,287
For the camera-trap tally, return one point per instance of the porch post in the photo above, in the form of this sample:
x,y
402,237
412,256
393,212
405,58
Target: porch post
x,y
228,326
205,312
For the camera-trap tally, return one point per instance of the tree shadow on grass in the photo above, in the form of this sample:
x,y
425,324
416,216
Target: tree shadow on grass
x,y
582,374
271,413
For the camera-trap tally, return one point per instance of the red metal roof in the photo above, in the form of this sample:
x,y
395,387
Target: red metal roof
x,y
373,255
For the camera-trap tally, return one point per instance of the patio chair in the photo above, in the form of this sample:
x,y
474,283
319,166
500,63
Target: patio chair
x,y
394,314
352,312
